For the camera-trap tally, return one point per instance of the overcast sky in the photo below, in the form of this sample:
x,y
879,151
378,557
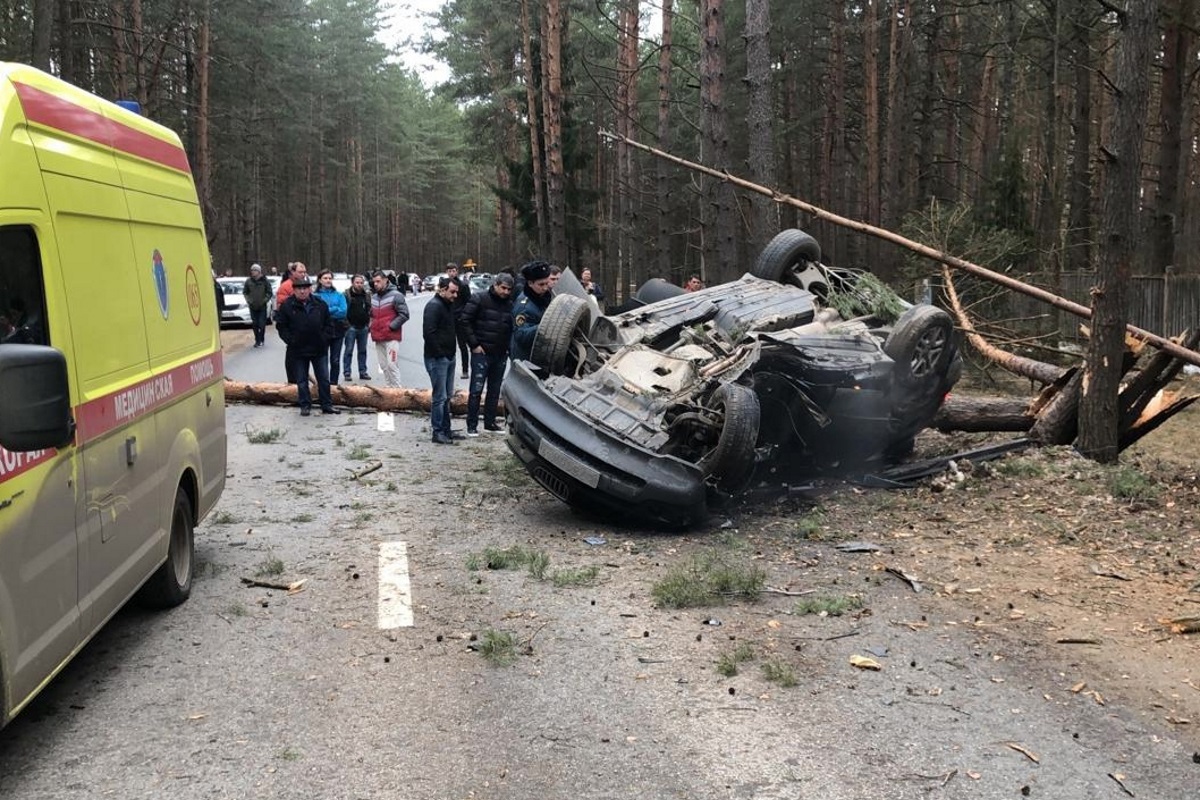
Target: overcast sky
x,y
408,20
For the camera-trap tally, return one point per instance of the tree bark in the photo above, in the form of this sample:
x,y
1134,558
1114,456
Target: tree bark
x,y
43,29
720,243
552,117
662,183
1176,54
764,218
1099,417
535,129
872,200
380,399
1079,218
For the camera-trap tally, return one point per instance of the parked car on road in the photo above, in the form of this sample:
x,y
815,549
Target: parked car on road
x,y
796,369
236,313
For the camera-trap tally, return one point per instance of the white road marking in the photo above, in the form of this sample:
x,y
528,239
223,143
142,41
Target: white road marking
x,y
395,592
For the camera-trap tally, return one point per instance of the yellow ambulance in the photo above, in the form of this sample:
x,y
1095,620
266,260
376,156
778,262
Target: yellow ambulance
x,y
112,409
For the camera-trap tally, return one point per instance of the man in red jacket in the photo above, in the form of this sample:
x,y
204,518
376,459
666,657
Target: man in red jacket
x,y
389,312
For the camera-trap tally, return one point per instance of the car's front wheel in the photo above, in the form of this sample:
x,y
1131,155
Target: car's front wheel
x,y
735,409
560,345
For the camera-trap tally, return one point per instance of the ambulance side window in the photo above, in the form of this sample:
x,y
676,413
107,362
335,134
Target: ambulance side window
x,y
22,295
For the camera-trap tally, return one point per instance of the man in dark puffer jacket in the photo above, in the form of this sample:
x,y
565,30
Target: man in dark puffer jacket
x,y
441,343
487,321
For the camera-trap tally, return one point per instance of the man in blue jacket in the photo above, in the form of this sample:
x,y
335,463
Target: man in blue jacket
x,y
530,305
305,326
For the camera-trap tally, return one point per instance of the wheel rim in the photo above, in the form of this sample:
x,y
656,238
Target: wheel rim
x,y
180,553
928,352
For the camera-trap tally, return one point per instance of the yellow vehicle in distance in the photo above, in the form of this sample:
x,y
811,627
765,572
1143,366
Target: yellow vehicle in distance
x,y
112,412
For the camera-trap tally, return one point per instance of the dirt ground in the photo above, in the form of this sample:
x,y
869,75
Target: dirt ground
x,y
1071,565
1080,563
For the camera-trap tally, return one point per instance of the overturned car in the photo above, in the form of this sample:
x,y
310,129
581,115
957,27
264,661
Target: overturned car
x,y
795,370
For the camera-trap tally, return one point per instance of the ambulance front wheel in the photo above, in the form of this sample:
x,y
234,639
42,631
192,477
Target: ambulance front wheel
x,y
172,583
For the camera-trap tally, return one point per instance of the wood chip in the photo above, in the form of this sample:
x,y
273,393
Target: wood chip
x,y
1024,751
1181,624
1100,572
913,583
1078,640
1119,778
290,588
862,662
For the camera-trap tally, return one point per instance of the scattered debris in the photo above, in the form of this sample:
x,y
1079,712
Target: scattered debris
x,y
1098,571
878,652
367,470
1120,779
1024,751
1181,624
1078,640
913,583
290,588
773,590
862,662
595,541
859,547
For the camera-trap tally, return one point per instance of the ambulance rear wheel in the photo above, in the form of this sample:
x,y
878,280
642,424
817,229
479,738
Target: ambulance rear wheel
x,y
171,584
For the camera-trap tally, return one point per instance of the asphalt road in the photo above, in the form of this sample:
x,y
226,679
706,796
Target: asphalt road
x,y
265,364
251,692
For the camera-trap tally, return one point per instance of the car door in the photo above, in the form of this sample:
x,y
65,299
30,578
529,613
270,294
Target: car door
x,y
41,494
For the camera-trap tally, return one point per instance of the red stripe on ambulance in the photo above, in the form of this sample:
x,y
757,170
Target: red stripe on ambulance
x,y
55,112
13,464
103,414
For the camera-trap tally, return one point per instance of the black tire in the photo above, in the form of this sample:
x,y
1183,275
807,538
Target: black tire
x,y
171,584
786,256
922,344
560,334
657,289
730,461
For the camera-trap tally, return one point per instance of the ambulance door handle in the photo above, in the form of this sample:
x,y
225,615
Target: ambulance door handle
x,y
131,452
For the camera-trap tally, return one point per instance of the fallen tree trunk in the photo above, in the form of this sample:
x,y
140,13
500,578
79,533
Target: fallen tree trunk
x,y
1038,371
982,414
1162,343
378,398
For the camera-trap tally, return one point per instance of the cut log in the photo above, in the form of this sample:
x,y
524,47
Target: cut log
x,y
980,414
378,398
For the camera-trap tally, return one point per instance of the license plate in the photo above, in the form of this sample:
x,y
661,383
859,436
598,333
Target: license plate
x,y
569,464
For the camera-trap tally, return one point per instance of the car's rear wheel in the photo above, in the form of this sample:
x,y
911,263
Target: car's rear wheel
x,y
790,258
736,409
560,345
921,343
171,584
657,289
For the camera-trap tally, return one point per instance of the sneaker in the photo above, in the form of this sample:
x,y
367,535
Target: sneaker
x,y
465,375
306,412
330,410
493,429
441,438
346,376
364,377
472,433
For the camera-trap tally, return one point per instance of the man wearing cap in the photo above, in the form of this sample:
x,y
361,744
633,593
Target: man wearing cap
x,y
257,291
438,328
305,325
460,304
530,305
488,322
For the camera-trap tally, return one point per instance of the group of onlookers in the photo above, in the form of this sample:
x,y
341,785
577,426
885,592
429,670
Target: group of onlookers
x,y
324,329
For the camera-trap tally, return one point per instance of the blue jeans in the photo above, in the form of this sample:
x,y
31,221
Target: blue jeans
x,y
298,366
355,337
258,321
441,378
485,370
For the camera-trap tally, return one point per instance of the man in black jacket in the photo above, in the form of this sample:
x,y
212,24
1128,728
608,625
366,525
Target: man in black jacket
x,y
488,322
438,329
460,305
358,314
304,324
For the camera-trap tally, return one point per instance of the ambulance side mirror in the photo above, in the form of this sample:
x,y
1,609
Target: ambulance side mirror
x,y
35,402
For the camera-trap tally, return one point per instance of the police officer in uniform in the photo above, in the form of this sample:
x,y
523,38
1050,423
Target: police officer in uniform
x,y
530,305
